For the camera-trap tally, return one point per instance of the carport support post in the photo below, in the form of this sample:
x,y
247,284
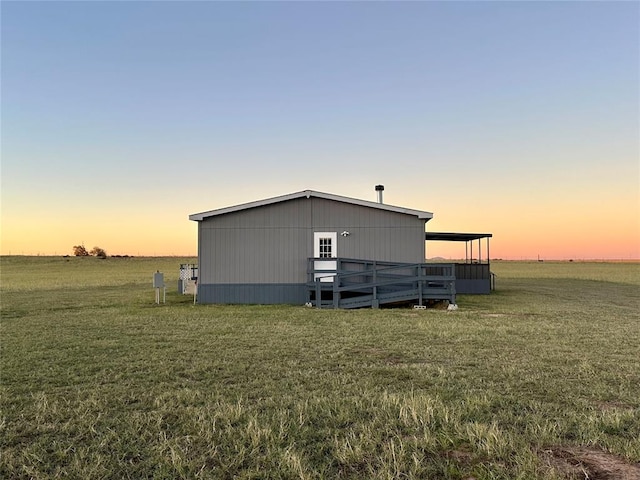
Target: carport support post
x,y
488,255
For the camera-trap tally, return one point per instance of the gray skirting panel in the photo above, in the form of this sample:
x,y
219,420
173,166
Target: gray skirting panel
x,y
479,286
253,293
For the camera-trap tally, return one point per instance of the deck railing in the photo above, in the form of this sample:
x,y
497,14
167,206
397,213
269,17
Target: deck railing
x,y
367,283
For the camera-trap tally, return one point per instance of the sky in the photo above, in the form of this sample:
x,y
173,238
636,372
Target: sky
x,y
121,118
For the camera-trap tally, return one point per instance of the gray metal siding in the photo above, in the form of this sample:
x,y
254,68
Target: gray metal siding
x,y
253,255
270,244
473,278
373,234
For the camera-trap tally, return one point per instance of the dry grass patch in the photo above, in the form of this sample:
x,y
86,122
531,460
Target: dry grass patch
x,y
578,463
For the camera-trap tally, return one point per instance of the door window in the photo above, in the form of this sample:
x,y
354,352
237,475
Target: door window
x,y
326,248
324,245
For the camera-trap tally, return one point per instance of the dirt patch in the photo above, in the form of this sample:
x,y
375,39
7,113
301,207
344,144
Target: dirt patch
x,y
613,405
460,456
514,315
590,464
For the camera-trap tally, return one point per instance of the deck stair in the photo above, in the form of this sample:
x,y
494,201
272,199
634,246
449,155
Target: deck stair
x,y
368,283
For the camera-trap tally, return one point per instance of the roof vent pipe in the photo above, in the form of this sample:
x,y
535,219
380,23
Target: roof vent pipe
x,y
380,189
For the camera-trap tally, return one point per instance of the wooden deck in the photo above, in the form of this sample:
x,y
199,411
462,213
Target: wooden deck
x,y
366,283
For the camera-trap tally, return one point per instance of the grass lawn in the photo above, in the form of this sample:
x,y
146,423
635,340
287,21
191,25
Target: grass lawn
x,y
541,379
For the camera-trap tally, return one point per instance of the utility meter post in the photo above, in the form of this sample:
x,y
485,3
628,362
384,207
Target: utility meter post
x,y
158,283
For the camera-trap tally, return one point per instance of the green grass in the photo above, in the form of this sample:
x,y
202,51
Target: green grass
x,y
99,382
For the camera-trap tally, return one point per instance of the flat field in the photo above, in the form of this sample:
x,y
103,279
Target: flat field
x,y
540,380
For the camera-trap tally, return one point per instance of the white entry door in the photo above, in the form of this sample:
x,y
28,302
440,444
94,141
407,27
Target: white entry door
x,y
325,247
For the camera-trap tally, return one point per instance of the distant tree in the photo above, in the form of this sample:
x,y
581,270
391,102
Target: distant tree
x,y
98,252
80,251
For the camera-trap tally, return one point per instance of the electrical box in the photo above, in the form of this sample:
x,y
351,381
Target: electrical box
x,y
158,280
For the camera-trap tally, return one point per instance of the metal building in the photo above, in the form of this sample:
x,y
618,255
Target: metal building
x,y
285,250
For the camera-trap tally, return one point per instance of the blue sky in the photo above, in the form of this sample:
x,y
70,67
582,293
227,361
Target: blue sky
x,y
510,117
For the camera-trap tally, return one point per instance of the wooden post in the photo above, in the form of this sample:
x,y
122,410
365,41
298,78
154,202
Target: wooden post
x,y
318,294
420,281
374,302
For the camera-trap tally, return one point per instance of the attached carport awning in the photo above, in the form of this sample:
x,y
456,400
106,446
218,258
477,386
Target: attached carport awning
x,y
456,237
464,237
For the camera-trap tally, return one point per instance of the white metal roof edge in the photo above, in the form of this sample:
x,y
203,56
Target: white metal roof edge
x,y
310,193
381,206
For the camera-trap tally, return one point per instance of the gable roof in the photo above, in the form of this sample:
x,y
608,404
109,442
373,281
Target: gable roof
x,y
308,194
